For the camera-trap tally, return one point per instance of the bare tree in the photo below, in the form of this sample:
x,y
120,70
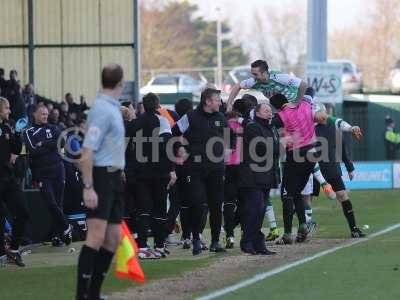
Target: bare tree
x,y
281,35
374,45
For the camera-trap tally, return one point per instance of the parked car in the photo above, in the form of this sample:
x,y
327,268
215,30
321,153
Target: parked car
x,y
395,78
352,80
236,75
173,83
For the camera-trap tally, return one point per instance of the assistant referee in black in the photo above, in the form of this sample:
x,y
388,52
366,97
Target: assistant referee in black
x,y
103,158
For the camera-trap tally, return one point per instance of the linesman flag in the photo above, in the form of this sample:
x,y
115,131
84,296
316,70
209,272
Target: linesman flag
x,y
127,266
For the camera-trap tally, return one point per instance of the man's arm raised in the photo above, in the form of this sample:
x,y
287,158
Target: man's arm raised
x,y
231,99
302,90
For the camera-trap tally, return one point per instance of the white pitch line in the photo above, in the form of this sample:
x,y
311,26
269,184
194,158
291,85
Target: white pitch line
x,y
262,276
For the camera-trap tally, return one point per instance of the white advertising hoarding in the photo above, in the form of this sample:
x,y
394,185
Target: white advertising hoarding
x,y
326,80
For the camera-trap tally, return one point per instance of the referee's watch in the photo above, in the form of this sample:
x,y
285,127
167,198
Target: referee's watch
x,y
88,186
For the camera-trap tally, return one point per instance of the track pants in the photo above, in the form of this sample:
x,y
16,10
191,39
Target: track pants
x,y
151,205
206,191
11,198
231,191
252,210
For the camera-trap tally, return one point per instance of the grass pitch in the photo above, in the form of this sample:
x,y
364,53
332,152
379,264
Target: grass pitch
x,y
370,270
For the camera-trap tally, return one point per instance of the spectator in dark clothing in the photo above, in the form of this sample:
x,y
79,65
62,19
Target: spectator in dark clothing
x,y
65,119
30,100
75,107
3,83
54,119
13,94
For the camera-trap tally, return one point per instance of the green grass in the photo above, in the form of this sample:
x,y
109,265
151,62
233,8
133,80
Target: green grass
x,y
59,282
373,208
369,270
51,272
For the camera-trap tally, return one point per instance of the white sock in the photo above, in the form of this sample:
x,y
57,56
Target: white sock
x,y
318,175
308,218
271,217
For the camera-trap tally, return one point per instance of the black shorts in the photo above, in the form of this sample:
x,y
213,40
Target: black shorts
x,y
109,188
336,183
296,173
333,175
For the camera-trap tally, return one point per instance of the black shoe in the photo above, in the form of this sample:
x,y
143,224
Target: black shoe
x,y
216,247
186,244
67,235
286,239
249,251
15,258
357,233
197,247
56,242
266,252
302,235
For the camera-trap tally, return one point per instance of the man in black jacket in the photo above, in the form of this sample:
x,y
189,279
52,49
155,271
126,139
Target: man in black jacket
x,y
14,96
332,172
203,129
259,173
154,175
129,174
47,168
10,189
3,83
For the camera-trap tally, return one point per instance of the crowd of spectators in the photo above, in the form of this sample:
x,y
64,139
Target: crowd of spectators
x,y
23,100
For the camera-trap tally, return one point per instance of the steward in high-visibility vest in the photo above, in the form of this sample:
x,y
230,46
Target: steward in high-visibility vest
x,y
392,140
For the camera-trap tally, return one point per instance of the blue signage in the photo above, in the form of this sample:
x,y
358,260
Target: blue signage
x,y
369,176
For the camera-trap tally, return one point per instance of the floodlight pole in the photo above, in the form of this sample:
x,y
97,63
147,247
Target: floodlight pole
x,y
317,31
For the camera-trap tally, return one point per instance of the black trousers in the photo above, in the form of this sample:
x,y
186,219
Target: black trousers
x,y
174,207
206,192
296,171
11,201
231,192
130,207
252,210
52,191
182,192
151,205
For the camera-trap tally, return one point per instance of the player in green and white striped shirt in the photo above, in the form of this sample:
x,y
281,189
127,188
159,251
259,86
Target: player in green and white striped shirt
x,y
270,83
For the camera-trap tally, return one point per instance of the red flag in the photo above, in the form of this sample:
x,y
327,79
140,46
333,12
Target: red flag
x,y
127,266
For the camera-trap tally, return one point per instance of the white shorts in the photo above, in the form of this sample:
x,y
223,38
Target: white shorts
x,y
308,189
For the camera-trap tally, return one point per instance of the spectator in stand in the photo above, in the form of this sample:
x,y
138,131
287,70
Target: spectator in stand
x,y
54,119
3,82
13,94
29,99
65,119
50,107
75,107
